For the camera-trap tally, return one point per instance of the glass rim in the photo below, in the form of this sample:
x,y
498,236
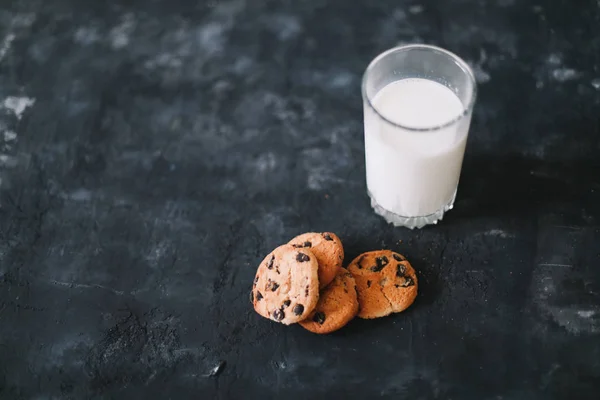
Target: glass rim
x,y
459,61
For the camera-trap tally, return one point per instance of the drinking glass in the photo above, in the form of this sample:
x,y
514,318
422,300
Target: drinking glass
x,y
413,155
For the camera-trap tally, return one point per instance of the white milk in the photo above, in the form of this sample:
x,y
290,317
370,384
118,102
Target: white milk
x,y
412,173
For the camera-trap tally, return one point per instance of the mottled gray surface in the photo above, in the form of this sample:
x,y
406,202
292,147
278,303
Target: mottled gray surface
x,y
153,152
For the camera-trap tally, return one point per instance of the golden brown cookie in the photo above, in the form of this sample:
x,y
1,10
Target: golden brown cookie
x,y
338,305
328,249
386,283
286,285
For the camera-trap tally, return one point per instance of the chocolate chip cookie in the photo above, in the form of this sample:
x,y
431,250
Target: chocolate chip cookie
x,y
338,304
328,249
286,285
386,283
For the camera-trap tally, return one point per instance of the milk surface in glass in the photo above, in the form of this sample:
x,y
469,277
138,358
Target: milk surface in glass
x,y
414,173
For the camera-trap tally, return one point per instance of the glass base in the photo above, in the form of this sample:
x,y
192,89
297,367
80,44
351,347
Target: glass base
x,y
411,222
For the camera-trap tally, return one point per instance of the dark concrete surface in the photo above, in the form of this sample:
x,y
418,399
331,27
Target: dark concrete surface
x,y
152,152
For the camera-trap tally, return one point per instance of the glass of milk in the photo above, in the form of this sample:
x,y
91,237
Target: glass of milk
x,y
418,102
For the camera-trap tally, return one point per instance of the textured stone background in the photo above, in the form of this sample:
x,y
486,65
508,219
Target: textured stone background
x,y
153,152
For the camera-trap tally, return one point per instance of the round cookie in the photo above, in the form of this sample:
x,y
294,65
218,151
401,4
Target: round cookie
x,y
385,281
286,285
328,249
338,305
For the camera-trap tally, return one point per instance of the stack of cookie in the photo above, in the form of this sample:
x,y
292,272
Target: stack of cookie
x,y
303,282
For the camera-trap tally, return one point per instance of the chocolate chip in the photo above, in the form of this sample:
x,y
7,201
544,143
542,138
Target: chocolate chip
x,y
305,244
306,291
368,283
319,317
256,279
270,264
327,236
298,309
272,285
277,270
286,303
408,281
359,262
301,257
278,315
400,271
252,296
258,296
396,286
398,257
380,263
